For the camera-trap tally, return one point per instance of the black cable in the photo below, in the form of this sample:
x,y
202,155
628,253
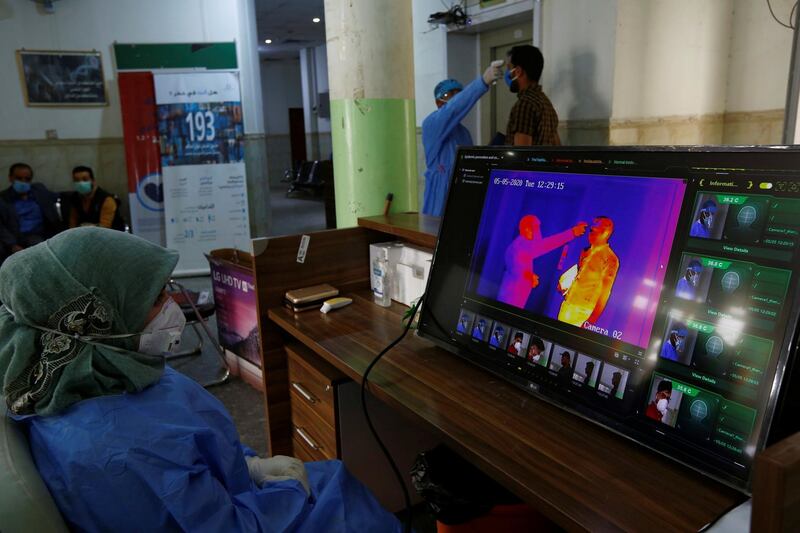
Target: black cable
x,y
791,16
769,5
364,381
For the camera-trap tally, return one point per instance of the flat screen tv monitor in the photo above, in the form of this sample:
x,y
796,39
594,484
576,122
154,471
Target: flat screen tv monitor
x,y
652,291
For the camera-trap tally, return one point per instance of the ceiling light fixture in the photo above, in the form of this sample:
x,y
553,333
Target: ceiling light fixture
x,y
315,20
268,41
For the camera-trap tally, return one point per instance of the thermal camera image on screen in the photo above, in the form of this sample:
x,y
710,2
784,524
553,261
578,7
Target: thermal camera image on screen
x,y
587,250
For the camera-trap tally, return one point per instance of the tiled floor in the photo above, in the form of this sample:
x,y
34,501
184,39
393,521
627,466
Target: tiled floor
x,y
298,214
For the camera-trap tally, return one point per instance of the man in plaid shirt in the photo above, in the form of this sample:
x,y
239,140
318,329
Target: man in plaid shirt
x,y
532,121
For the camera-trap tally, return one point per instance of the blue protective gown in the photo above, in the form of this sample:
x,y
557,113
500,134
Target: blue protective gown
x,y
685,290
699,230
442,133
169,459
668,351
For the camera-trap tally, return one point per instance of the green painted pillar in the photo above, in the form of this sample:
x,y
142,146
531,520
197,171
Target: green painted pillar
x,y
371,78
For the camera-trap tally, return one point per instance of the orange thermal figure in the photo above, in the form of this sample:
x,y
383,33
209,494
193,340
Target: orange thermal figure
x,y
586,297
520,278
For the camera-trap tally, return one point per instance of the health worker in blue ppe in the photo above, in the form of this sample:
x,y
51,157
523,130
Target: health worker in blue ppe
x,y
704,224
687,285
443,133
123,442
675,344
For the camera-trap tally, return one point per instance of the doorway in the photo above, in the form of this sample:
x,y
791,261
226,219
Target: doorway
x,y
494,45
297,135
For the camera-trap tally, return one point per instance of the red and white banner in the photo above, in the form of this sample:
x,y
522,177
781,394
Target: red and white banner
x,y
142,155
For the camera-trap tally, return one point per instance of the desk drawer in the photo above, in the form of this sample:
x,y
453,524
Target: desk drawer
x,y
313,435
311,382
302,451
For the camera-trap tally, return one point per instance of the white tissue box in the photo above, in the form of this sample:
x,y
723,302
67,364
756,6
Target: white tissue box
x,y
412,272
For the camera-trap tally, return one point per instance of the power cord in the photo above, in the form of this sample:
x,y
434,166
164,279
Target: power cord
x,y
364,383
791,16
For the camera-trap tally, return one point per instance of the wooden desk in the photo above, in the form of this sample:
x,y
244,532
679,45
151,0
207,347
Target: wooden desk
x,y
415,228
581,476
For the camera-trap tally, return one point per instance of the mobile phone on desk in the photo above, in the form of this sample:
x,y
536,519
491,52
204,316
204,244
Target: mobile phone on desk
x,y
308,298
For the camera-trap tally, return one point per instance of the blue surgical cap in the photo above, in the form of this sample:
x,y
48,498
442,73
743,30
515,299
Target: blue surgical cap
x,y
710,206
695,266
446,86
680,331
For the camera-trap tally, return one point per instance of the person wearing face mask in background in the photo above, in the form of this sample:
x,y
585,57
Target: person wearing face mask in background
x,y
28,212
658,409
85,327
533,121
90,205
443,133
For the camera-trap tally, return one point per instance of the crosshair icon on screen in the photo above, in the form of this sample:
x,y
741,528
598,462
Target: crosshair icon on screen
x,y
730,281
714,346
698,410
747,215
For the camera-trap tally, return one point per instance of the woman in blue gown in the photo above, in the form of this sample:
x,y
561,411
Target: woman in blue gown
x,y
122,442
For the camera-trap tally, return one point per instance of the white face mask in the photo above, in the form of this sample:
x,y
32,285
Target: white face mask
x,y
163,334
662,405
517,346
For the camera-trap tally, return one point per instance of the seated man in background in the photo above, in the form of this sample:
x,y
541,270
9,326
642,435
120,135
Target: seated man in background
x,y
91,205
29,213
123,442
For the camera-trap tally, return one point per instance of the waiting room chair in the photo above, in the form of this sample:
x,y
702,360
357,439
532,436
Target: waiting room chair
x,y
197,313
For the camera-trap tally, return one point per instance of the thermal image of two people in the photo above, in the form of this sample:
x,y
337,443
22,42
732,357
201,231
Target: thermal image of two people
x,y
591,252
587,292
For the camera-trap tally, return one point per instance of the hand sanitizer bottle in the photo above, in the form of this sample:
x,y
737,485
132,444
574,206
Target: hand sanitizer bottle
x,y
381,282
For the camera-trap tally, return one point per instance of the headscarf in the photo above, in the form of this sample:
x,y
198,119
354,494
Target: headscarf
x,y
87,282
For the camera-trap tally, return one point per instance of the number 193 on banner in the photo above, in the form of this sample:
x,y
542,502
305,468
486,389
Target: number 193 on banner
x,y
201,133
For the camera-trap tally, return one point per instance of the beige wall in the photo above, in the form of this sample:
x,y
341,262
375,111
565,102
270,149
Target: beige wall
x,y
687,72
671,58
737,128
578,48
760,53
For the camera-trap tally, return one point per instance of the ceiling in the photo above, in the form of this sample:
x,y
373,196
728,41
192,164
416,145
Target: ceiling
x,y
288,23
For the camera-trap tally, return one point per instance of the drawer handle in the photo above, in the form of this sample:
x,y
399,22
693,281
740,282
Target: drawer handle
x,y
303,435
303,392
